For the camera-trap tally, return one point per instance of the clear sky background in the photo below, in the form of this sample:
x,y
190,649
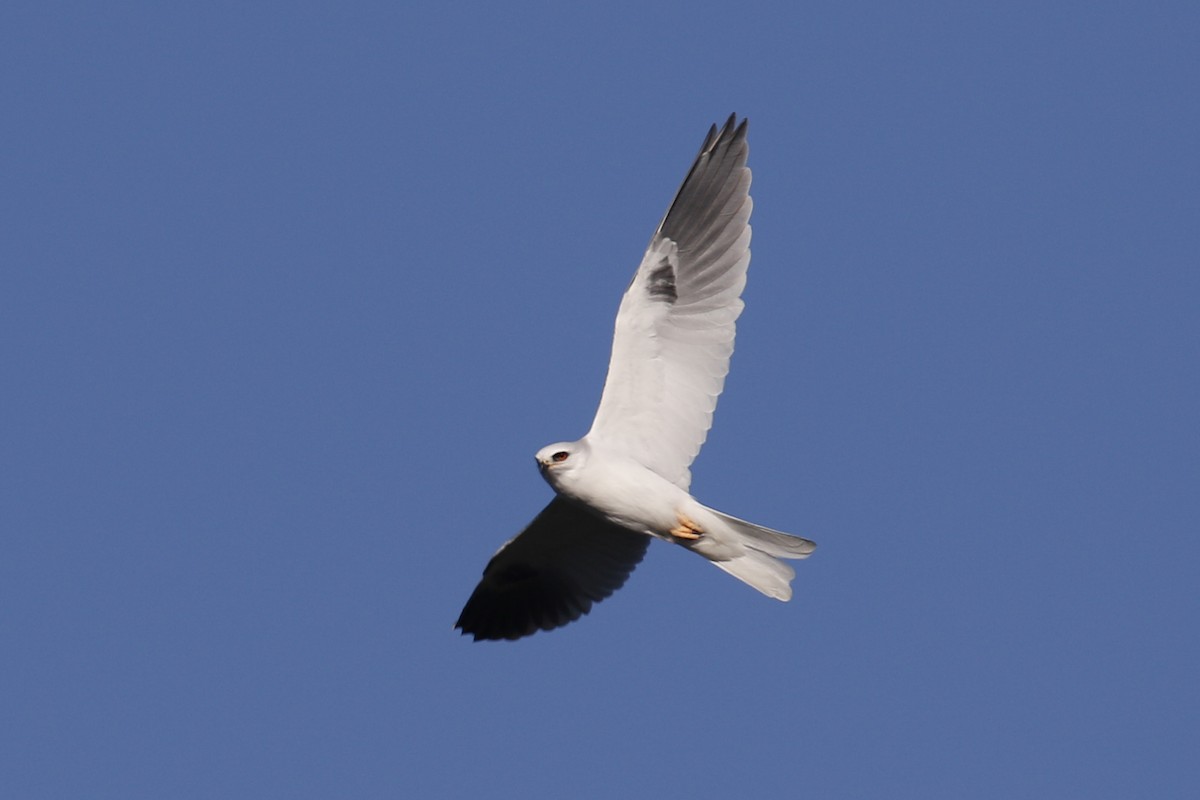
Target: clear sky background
x,y
290,294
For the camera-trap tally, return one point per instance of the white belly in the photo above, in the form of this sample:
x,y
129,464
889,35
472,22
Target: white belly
x,y
628,494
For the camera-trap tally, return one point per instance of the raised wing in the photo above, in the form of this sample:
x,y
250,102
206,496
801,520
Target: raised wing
x,y
551,574
675,328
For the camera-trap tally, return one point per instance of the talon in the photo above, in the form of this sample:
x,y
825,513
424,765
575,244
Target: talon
x,y
686,529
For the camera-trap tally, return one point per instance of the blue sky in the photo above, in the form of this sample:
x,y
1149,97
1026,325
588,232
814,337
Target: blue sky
x,y
291,293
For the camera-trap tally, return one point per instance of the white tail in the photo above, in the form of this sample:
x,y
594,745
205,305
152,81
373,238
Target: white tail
x,y
759,566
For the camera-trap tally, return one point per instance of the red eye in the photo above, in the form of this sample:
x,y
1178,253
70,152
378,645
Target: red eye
x,y
560,456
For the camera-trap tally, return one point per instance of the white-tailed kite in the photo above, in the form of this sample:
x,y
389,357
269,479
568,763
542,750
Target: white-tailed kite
x,y
627,479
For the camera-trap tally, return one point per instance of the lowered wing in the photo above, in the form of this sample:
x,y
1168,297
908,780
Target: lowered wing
x,y
551,574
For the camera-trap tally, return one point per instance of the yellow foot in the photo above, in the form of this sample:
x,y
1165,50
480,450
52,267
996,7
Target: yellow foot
x,y
686,529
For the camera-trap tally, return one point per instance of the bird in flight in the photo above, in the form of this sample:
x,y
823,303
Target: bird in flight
x,y
627,480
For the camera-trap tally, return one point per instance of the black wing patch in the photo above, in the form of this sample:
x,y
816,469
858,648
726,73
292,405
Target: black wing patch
x,y
661,283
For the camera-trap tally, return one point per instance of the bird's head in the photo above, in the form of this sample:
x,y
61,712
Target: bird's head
x,y
559,459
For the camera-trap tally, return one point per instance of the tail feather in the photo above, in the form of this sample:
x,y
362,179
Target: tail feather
x,y
766,540
758,565
769,575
